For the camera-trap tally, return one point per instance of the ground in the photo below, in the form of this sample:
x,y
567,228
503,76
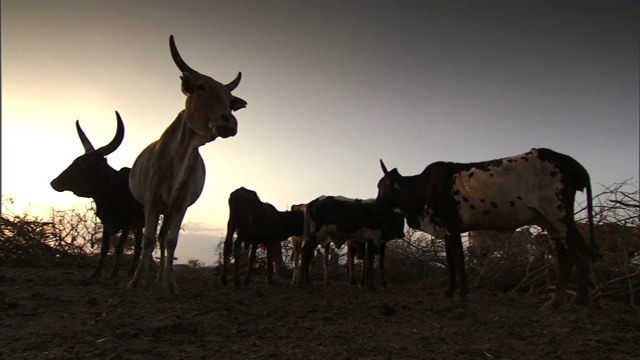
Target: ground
x,y
55,313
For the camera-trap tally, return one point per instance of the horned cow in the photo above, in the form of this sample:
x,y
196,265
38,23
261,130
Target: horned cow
x,y
534,188
338,219
168,176
90,176
255,222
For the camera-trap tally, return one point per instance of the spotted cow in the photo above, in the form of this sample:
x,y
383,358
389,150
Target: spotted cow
x,y
534,188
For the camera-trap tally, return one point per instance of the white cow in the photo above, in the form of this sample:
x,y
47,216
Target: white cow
x,y
168,176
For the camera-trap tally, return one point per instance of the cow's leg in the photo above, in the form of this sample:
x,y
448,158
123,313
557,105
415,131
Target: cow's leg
x,y
136,250
270,263
362,250
565,264
295,258
370,256
325,262
458,259
351,253
170,236
451,266
579,254
104,250
162,239
297,248
119,249
237,253
149,244
305,267
381,251
226,251
252,260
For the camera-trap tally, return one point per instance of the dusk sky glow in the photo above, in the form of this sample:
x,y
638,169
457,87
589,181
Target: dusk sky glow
x,y
331,86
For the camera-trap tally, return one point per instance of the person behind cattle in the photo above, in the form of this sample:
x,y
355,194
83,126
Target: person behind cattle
x,y
276,255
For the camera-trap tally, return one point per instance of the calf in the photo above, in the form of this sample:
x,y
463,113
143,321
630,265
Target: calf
x,y
357,249
534,188
338,219
90,176
255,222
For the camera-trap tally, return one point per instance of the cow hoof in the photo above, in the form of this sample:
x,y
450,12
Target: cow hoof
x,y
171,291
551,304
447,295
134,284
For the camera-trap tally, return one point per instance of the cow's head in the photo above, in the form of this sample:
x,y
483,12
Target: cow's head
x,y
87,172
396,192
388,188
209,105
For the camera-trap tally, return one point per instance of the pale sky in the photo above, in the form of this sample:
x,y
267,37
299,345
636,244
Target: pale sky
x,y
331,86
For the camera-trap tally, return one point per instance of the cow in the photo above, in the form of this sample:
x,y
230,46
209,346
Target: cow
x,y
255,222
168,175
90,176
534,188
296,244
338,219
356,249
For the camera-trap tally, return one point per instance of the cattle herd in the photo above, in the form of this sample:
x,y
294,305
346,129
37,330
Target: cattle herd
x,y
534,188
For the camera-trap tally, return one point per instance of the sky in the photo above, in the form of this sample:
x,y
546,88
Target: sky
x,y
332,87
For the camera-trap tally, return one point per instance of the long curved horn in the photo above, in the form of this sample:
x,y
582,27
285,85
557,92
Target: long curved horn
x,y
117,140
234,84
86,144
384,168
177,58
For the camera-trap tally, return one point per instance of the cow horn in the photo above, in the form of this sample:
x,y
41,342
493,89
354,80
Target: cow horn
x,y
117,140
177,58
384,168
234,84
83,138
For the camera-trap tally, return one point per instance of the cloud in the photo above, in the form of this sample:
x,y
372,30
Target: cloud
x,y
194,227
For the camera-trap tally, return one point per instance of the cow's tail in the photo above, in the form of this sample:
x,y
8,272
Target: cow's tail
x,y
305,227
594,250
582,181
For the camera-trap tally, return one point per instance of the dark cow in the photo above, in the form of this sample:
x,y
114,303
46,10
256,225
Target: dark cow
x,y
534,188
356,249
255,222
90,176
338,219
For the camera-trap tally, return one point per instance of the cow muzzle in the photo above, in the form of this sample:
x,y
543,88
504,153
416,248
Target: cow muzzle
x,y
225,126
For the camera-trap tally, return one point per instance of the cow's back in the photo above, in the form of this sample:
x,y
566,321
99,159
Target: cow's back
x,y
519,188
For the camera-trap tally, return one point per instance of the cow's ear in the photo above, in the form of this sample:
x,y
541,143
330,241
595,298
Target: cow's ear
x,y
237,103
188,86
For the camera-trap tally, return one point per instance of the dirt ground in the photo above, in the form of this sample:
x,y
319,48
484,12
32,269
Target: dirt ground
x,y
56,314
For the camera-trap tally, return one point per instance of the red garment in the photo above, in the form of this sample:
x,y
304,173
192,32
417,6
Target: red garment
x,y
276,255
